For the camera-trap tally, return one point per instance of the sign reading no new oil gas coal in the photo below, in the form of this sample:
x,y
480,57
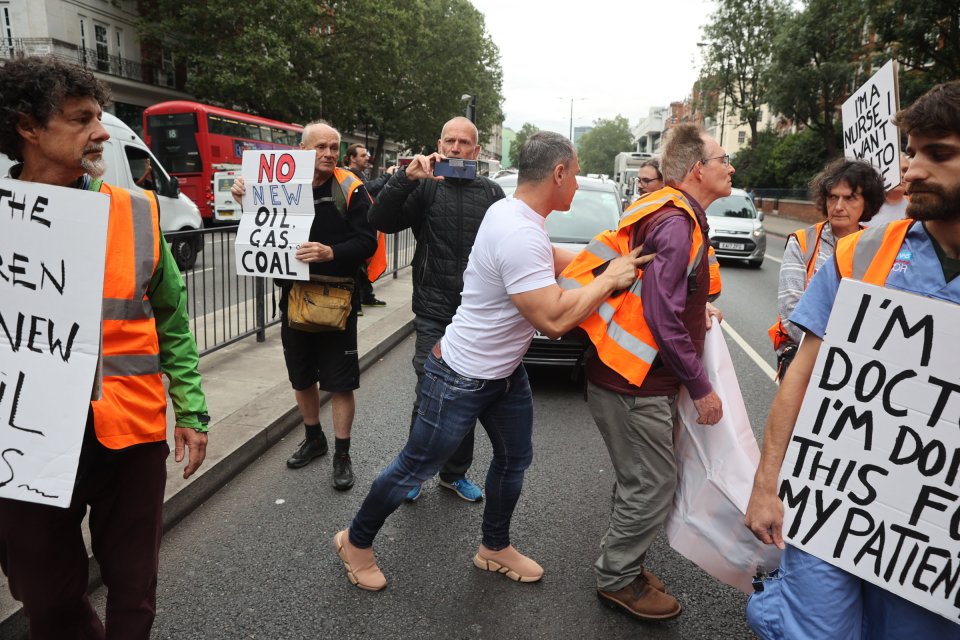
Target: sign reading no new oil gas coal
x,y
277,213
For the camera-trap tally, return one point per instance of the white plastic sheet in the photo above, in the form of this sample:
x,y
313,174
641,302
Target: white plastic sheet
x,y
715,468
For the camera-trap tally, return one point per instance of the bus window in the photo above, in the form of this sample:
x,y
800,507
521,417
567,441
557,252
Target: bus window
x,y
251,131
173,140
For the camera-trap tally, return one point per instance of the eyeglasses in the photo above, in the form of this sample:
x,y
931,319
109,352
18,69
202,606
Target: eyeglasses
x,y
646,181
725,160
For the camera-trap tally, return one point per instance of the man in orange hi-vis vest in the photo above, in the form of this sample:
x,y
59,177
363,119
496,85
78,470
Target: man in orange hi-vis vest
x,y
51,126
807,597
647,342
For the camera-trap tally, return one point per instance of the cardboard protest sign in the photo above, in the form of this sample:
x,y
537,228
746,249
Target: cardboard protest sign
x,y
868,133
277,213
870,480
52,254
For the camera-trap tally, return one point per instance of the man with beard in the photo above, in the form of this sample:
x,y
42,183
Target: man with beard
x,y
50,113
808,597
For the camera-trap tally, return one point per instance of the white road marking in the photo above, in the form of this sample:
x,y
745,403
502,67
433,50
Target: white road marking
x,y
760,362
770,257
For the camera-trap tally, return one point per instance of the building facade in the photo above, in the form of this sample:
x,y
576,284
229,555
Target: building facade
x,y
102,36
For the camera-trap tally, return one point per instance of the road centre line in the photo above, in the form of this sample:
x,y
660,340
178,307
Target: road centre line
x,y
760,362
769,257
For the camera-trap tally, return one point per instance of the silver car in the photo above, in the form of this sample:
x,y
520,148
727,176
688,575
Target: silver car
x,y
595,209
736,229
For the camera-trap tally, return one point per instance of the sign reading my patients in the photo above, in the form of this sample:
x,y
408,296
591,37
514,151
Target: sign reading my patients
x,y
52,252
871,480
277,213
868,133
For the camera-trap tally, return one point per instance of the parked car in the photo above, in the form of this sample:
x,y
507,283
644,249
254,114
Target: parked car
x,y
131,165
736,229
595,209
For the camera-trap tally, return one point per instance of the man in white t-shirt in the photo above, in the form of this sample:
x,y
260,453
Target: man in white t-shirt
x,y
474,372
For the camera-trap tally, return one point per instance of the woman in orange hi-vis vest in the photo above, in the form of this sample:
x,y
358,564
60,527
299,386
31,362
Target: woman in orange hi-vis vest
x,y
847,193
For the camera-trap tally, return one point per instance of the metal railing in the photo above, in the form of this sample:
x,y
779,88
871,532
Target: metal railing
x,y
93,59
225,307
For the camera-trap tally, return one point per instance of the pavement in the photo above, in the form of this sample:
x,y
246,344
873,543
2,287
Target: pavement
x,y
252,407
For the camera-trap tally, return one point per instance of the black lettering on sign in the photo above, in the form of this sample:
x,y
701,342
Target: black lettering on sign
x,y
21,377
799,500
9,465
931,458
33,325
946,388
898,319
925,500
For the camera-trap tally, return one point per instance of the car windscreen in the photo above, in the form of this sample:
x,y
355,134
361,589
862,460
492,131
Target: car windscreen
x,y
591,212
733,207
173,140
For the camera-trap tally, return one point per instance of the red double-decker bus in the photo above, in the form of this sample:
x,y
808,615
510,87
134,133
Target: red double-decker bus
x,y
193,141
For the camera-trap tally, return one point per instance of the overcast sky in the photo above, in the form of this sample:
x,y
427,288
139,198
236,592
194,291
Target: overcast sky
x,y
611,56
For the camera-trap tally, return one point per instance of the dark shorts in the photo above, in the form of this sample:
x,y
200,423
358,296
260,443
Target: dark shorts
x,y
328,359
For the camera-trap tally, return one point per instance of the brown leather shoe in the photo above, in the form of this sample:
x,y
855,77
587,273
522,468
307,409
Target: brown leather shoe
x,y
642,601
361,565
654,581
509,562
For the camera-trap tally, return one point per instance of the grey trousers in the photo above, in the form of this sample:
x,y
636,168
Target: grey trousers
x,y
638,433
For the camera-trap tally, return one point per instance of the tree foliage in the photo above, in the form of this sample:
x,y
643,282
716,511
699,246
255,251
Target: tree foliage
x,y
738,55
924,37
393,70
785,162
525,132
598,147
818,60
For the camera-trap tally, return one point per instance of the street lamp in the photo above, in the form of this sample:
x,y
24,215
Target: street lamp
x,y
471,112
571,115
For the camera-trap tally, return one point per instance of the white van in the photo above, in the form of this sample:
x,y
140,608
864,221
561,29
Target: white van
x,y
225,208
131,165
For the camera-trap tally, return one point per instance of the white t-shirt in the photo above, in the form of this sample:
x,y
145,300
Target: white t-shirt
x,y
512,254
888,213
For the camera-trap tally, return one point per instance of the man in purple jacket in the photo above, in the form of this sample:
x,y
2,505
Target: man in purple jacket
x,y
637,422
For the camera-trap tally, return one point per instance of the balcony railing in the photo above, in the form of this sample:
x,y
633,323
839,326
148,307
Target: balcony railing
x,y
89,58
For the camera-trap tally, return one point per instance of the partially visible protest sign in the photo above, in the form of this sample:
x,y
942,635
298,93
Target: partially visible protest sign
x,y
52,254
277,213
868,133
870,480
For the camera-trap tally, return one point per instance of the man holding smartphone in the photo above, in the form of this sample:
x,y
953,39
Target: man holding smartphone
x,y
445,214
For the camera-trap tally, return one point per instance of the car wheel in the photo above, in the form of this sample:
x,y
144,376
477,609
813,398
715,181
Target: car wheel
x,y
184,253
755,264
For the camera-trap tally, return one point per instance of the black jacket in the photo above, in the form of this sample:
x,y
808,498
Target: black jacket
x,y
445,217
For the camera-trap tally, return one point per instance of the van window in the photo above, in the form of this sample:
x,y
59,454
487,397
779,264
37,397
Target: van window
x,y
173,140
145,174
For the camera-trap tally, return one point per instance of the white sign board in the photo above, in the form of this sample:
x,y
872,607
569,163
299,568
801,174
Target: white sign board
x,y
871,480
868,133
52,248
277,213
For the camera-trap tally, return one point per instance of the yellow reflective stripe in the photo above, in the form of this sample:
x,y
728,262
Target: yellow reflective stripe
x,y
136,365
120,309
630,343
568,283
866,250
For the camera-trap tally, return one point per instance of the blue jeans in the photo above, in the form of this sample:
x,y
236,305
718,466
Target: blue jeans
x,y
450,406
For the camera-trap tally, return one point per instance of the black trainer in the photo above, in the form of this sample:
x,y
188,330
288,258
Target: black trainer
x,y
309,449
342,472
373,301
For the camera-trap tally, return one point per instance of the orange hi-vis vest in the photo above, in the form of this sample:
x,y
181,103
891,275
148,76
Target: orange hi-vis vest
x,y
349,182
133,405
618,329
869,255
777,332
716,284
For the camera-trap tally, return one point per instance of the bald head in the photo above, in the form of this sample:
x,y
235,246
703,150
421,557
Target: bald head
x,y
459,139
325,140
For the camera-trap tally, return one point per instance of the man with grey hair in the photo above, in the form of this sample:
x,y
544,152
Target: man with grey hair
x,y
632,386
444,214
474,371
340,241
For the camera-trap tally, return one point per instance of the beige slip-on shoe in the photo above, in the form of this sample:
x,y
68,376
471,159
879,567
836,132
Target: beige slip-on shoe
x,y
361,565
509,562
